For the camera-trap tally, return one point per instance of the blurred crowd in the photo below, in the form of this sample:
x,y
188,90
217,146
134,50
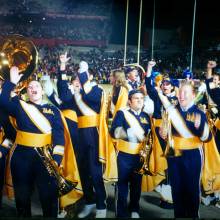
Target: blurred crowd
x,y
74,30
102,62
83,7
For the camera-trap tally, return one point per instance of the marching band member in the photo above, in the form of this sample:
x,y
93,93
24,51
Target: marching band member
x,y
213,93
7,137
212,102
130,127
69,114
66,107
38,125
89,105
164,188
189,131
119,97
132,78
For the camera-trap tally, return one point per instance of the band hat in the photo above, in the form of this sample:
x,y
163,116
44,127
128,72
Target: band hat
x,y
134,91
129,69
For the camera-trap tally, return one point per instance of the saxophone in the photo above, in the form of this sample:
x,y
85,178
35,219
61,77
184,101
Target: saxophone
x,y
145,153
64,185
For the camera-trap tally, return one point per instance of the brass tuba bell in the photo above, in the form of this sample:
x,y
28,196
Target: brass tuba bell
x,y
16,50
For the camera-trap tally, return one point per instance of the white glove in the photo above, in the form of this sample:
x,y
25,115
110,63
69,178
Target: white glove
x,y
14,75
214,110
151,64
83,67
131,135
48,87
120,133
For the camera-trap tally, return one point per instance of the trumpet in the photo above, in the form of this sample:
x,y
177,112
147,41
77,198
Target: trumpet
x,y
210,115
108,111
145,153
167,129
64,185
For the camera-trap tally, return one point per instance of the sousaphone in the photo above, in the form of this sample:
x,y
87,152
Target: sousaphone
x,y
16,50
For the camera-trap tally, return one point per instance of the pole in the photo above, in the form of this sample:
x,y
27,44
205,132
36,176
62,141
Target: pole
x,y
126,32
139,32
193,30
153,29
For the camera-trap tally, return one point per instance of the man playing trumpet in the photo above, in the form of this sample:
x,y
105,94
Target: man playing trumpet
x,y
189,131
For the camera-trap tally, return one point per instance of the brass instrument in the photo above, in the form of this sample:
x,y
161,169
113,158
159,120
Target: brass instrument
x,y
64,185
16,50
145,153
210,115
140,67
167,129
108,111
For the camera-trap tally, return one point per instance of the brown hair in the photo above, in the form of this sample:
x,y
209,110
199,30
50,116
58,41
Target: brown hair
x,y
120,79
188,83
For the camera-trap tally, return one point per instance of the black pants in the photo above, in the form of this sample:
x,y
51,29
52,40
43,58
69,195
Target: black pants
x,y
128,179
91,169
2,176
27,171
185,173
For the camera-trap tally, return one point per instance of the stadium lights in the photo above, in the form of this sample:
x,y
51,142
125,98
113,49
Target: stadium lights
x,y
5,62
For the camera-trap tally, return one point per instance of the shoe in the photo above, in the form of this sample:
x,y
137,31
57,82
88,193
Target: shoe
x,y
101,213
87,210
206,200
158,189
62,214
217,204
166,193
135,215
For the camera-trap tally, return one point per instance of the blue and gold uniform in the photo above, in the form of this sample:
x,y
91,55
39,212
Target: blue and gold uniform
x,y
69,113
214,95
157,120
37,126
135,126
119,99
88,104
185,170
7,137
158,107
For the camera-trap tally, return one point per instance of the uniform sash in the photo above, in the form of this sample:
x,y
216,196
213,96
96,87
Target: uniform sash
x,y
217,123
134,123
107,153
158,164
121,102
211,167
36,117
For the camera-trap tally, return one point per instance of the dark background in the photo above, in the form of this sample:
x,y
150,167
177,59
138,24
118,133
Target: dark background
x,y
169,14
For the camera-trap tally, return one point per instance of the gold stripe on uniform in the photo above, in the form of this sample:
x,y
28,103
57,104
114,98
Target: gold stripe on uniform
x,y
33,139
128,147
70,114
88,121
181,143
217,124
157,122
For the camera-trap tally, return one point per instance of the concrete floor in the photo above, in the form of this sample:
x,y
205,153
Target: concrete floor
x,y
149,207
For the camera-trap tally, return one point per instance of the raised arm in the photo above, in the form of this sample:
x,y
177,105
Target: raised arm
x,y
63,90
